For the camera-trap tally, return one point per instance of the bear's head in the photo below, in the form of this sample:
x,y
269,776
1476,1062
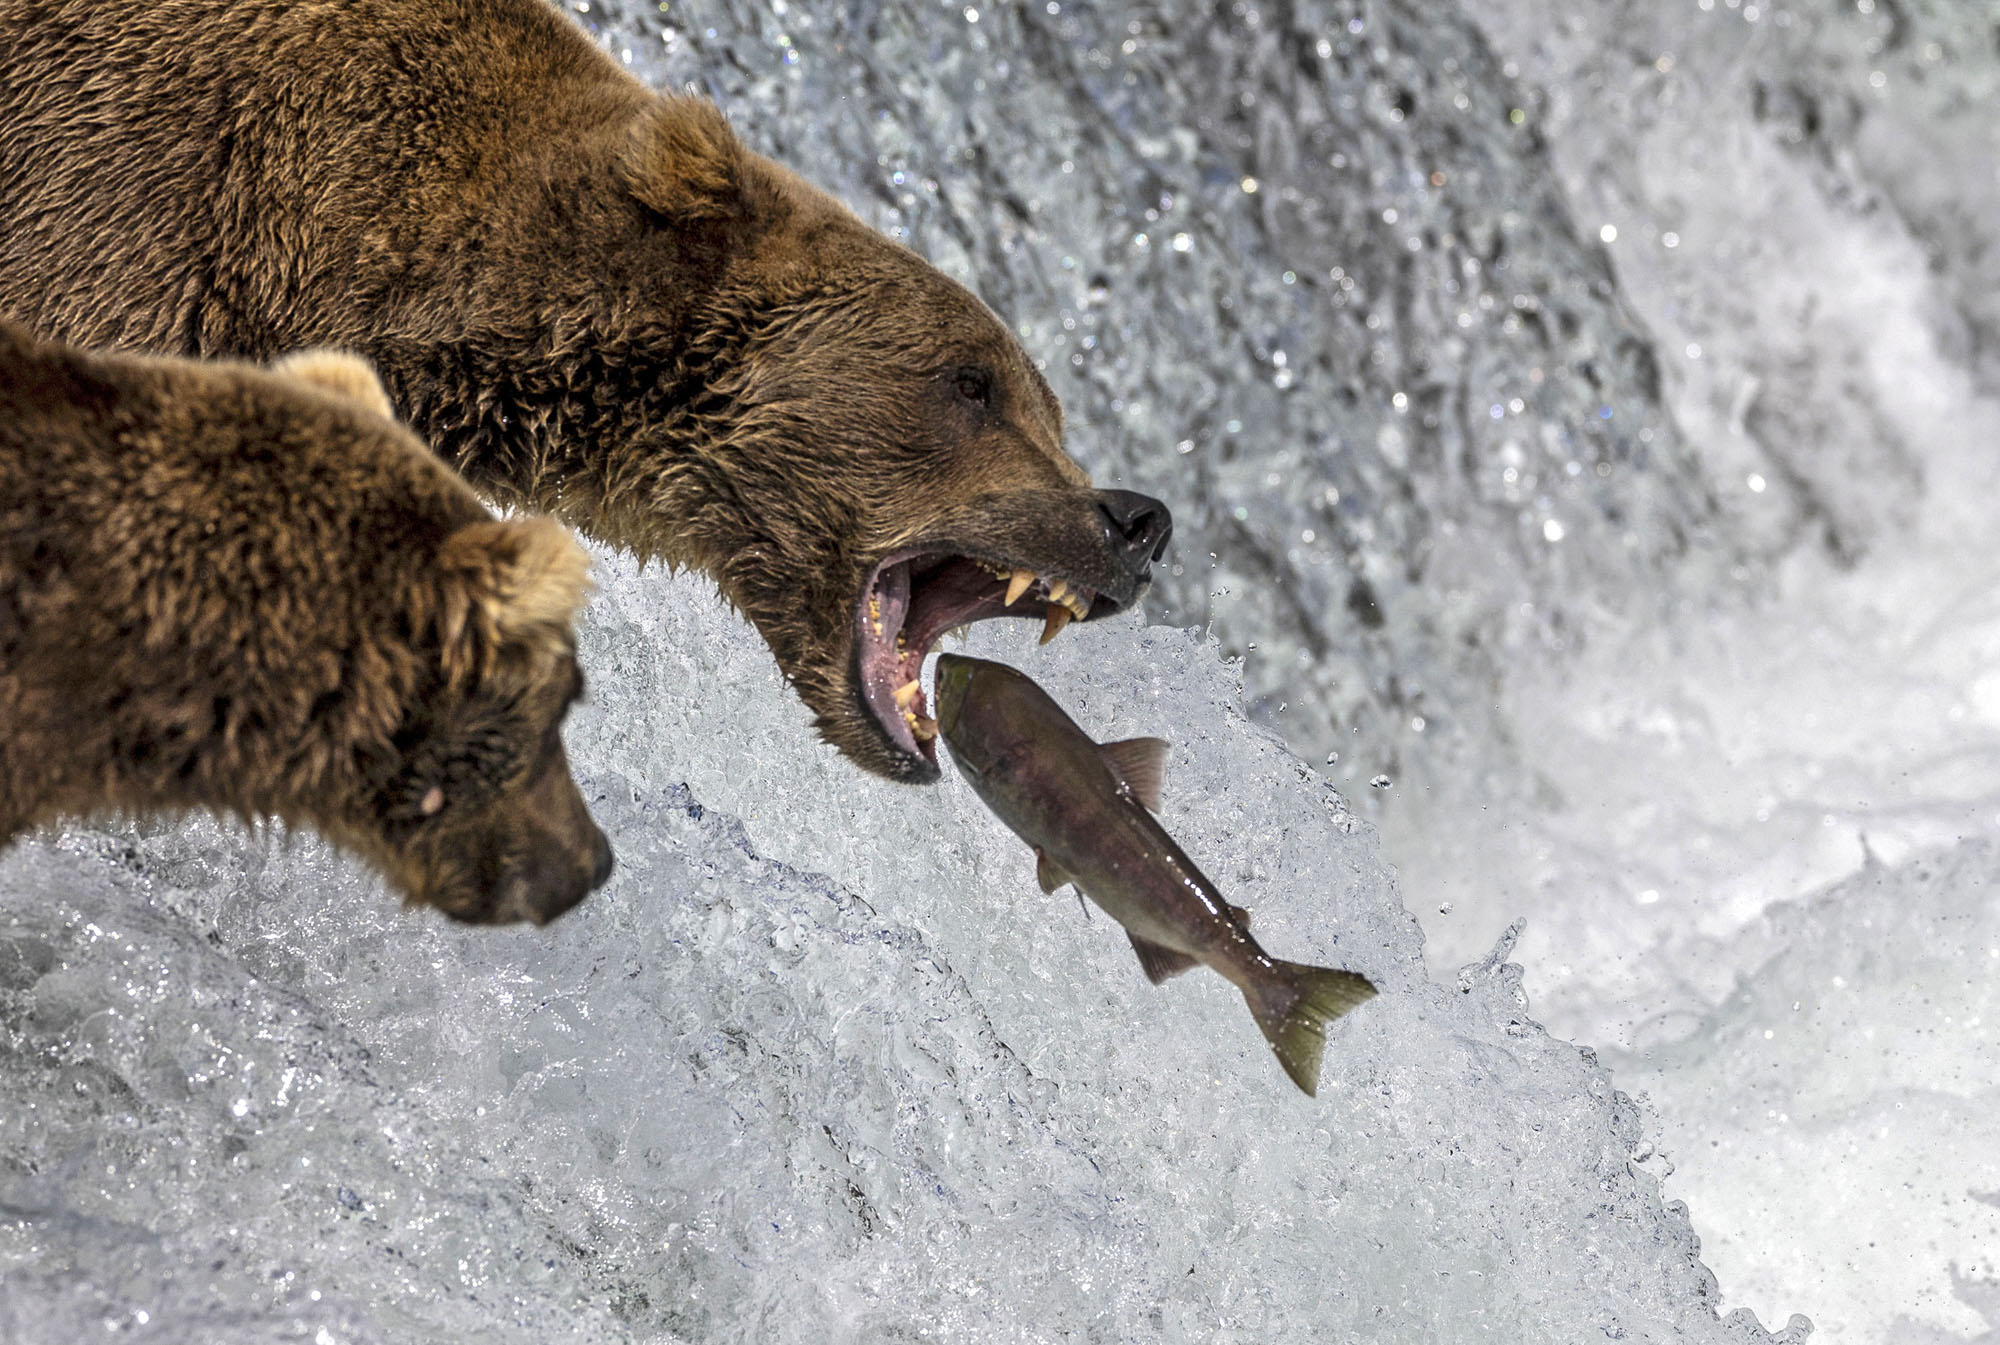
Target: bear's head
x,y
477,813
858,450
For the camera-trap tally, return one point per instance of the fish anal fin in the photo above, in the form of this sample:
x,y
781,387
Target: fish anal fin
x,y
1048,873
1142,764
1160,962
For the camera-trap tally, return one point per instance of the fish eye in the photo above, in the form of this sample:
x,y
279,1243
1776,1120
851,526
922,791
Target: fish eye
x,y
974,385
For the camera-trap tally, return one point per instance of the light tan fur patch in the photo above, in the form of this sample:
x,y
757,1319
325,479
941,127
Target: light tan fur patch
x,y
529,575
340,373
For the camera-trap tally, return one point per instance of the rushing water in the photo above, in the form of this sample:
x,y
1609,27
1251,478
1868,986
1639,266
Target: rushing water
x,y
1577,416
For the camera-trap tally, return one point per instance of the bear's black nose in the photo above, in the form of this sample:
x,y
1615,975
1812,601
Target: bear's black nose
x,y
1137,526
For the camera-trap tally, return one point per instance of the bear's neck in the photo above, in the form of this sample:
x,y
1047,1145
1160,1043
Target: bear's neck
x,y
608,440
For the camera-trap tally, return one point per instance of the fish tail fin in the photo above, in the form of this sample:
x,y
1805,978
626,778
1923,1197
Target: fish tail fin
x,y
1294,1011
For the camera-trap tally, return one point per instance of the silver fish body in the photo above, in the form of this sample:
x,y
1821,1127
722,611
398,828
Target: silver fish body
x,y
1085,808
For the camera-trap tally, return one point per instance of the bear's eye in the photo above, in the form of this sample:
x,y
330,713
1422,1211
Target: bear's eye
x,y
975,385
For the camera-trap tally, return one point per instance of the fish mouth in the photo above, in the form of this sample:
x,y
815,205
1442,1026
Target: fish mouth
x,y
912,597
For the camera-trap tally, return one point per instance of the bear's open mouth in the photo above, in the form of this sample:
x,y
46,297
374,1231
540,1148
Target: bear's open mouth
x,y
912,598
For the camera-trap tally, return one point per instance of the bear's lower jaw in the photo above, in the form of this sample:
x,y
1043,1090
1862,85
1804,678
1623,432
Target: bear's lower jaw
x,y
909,600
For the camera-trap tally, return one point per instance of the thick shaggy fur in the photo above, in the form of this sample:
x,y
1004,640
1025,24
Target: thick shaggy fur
x,y
251,591
590,298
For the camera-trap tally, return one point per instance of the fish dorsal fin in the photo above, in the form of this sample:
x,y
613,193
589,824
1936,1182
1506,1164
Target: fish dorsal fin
x,y
1160,962
1142,764
1048,873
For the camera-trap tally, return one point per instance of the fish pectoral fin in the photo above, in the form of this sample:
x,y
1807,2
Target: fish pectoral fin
x,y
1160,962
1048,873
1142,764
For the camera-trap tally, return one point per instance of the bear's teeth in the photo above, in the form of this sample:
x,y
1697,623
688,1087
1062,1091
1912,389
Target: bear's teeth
x,y
907,693
922,726
1019,585
1053,623
1075,603
1058,590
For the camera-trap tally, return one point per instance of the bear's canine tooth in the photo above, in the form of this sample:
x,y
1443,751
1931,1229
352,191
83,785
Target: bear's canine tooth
x,y
1054,622
907,693
1019,585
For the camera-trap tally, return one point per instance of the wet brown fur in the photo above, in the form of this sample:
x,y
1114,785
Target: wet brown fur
x,y
589,297
250,591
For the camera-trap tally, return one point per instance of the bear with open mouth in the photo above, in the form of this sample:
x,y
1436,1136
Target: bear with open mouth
x,y
589,297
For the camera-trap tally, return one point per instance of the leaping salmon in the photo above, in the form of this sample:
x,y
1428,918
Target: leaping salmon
x,y
1086,809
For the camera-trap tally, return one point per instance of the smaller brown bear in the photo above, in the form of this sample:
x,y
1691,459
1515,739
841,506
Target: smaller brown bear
x,y
252,591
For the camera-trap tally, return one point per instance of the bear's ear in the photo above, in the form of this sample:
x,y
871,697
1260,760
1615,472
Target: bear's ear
x,y
517,580
344,375
684,163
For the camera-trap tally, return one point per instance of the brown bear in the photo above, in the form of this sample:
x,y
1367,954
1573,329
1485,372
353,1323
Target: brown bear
x,y
251,591
591,298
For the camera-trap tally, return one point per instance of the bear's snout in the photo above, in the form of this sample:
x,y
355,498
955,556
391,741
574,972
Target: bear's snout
x,y
605,861
1137,528
550,880
565,859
